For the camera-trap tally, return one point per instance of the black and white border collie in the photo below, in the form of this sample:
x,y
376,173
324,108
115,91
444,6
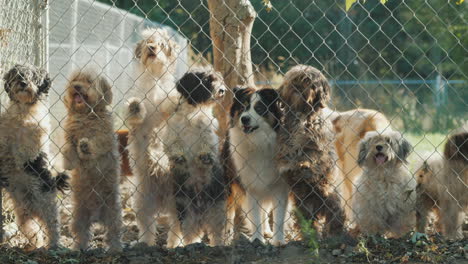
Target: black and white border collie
x,y
255,120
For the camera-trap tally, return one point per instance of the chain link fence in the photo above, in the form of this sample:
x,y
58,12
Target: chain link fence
x,y
373,142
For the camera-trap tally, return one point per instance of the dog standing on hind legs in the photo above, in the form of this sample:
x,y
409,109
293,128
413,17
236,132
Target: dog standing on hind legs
x,y
24,167
91,152
156,98
306,156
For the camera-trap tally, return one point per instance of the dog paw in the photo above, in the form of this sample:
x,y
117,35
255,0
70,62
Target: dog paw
x,y
136,112
278,242
206,159
84,148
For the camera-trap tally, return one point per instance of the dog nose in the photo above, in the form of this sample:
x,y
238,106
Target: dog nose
x,y
379,148
245,120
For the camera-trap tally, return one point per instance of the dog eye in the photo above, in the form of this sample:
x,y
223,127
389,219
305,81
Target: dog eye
x,y
23,84
221,92
260,108
77,87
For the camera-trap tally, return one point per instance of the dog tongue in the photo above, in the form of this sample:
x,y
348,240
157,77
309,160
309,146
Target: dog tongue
x,y
78,99
380,159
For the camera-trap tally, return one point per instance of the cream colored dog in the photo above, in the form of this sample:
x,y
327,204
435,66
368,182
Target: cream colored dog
x,y
91,152
384,197
156,97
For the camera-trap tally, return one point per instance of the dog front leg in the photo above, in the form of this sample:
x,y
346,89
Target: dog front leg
x,y
280,203
254,217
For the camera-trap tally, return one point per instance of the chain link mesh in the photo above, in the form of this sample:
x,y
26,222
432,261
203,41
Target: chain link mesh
x,y
291,155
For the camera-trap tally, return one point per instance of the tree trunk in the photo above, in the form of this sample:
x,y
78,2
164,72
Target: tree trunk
x,y
231,25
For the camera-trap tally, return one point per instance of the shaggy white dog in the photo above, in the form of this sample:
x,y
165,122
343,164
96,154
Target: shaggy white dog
x,y
384,197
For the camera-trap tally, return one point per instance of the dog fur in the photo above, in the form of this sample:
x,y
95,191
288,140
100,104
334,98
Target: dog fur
x,y
384,197
91,152
350,128
306,155
255,117
429,176
155,85
454,203
192,146
24,168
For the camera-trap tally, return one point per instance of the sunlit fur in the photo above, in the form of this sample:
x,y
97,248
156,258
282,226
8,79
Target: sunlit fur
x,y
24,168
384,196
255,117
429,176
91,152
350,127
306,154
156,98
454,204
192,146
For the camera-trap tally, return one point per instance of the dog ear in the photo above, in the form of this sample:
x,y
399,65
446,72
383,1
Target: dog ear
x,y
44,81
106,89
322,93
237,102
404,149
270,94
9,77
456,147
363,149
139,48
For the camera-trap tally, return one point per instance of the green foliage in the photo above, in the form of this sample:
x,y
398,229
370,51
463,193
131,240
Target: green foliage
x,y
309,235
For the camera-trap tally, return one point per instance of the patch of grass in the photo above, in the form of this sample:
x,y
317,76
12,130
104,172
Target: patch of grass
x,y
309,235
424,145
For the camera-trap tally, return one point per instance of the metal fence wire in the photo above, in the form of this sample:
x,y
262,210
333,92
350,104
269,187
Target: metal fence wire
x,y
352,120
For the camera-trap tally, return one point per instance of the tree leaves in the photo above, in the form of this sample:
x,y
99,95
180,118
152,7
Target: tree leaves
x,y
349,3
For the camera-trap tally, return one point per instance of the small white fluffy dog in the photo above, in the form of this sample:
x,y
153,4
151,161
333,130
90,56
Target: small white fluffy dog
x,y
255,117
192,146
454,203
91,152
24,168
156,97
384,197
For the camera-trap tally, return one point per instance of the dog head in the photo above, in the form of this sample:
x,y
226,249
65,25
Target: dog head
x,y
157,49
26,84
428,169
87,91
201,87
304,90
383,149
255,109
456,147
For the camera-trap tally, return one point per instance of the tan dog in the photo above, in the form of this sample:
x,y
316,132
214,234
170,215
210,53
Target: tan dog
x,y
306,154
91,152
430,188
351,127
454,203
384,197
24,167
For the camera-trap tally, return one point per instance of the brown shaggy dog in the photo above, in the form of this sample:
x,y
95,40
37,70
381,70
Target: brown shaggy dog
x,y
91,151
306,155
454,205
24,167
350,127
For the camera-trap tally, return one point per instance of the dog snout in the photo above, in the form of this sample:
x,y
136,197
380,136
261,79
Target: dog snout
x,y
379,147
245,120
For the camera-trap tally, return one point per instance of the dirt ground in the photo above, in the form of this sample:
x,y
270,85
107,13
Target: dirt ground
x,y
364,250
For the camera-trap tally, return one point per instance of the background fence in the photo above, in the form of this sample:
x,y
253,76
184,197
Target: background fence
x,y
406,59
